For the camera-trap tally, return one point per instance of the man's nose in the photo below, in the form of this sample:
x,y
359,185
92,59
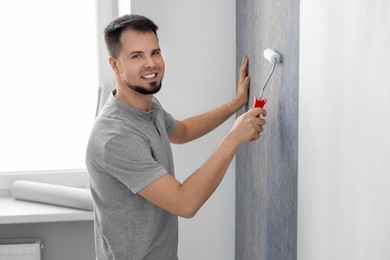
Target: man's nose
x,y
149,62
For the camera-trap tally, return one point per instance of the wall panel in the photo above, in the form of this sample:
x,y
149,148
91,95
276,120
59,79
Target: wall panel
x,y
266,181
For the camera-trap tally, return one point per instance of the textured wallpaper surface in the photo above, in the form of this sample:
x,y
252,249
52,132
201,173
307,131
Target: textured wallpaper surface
x,y
266,181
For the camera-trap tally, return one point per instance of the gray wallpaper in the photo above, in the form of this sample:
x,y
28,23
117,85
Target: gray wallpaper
x,y
266,188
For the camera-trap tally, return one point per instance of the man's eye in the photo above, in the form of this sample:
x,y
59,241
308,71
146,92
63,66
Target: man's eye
x,y
156,53
136,56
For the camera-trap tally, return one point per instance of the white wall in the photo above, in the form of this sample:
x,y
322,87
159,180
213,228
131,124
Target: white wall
x,y
198,43
71,240
344,130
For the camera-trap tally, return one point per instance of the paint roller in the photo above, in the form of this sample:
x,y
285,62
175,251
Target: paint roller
x,y
273,57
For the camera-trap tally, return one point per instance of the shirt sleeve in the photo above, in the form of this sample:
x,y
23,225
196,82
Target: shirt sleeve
x,y
130,160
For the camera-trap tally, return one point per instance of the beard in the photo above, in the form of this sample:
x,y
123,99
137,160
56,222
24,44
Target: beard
x,y
154,88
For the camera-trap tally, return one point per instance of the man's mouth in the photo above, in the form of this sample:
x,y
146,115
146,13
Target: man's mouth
x,y
149,76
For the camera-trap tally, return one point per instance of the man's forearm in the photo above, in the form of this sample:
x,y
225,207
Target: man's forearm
x,y
197,188
202,124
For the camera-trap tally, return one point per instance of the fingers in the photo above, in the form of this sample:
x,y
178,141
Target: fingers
x,y
259,126
243,84
257,111
257,135
244,68
248,126
257,121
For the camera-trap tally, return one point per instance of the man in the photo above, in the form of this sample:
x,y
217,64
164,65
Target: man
x,y
136,196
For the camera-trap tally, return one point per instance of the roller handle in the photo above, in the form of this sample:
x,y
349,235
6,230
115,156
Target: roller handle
x,y
259,103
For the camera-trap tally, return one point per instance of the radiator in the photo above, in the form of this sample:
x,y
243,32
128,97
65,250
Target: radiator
x,y
20,249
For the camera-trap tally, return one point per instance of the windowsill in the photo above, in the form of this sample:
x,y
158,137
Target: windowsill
x,y
14,211
74,178
17,211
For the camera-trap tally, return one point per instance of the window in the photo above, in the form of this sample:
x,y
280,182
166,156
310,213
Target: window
x,y
48,83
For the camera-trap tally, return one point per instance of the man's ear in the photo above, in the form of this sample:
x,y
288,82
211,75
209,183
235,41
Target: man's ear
x,y
114,64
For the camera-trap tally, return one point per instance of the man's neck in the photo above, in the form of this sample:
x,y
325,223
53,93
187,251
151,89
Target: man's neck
x,y
130,97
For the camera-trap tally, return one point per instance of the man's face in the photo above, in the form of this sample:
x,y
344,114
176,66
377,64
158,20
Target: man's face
x,y
140,63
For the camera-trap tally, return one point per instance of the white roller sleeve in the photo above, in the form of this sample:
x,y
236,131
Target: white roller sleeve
x,y
52,194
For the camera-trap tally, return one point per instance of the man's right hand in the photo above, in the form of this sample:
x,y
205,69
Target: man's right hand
x,y
248,126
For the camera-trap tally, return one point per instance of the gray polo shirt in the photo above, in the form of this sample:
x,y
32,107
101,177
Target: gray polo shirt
x,y
129,149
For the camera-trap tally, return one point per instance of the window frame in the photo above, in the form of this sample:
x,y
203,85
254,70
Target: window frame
x,y
105,11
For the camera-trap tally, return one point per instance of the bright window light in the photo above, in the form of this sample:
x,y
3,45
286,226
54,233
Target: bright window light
x,y
48,83
124,7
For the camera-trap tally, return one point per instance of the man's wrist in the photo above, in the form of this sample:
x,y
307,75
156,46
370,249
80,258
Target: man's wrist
x,y
235,105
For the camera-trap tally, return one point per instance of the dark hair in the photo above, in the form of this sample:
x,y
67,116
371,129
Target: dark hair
x,y
113,31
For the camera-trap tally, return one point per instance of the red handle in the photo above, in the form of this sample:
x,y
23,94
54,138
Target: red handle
x,y
259,103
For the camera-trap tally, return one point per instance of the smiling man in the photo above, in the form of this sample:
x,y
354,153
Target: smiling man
x,y
137,198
